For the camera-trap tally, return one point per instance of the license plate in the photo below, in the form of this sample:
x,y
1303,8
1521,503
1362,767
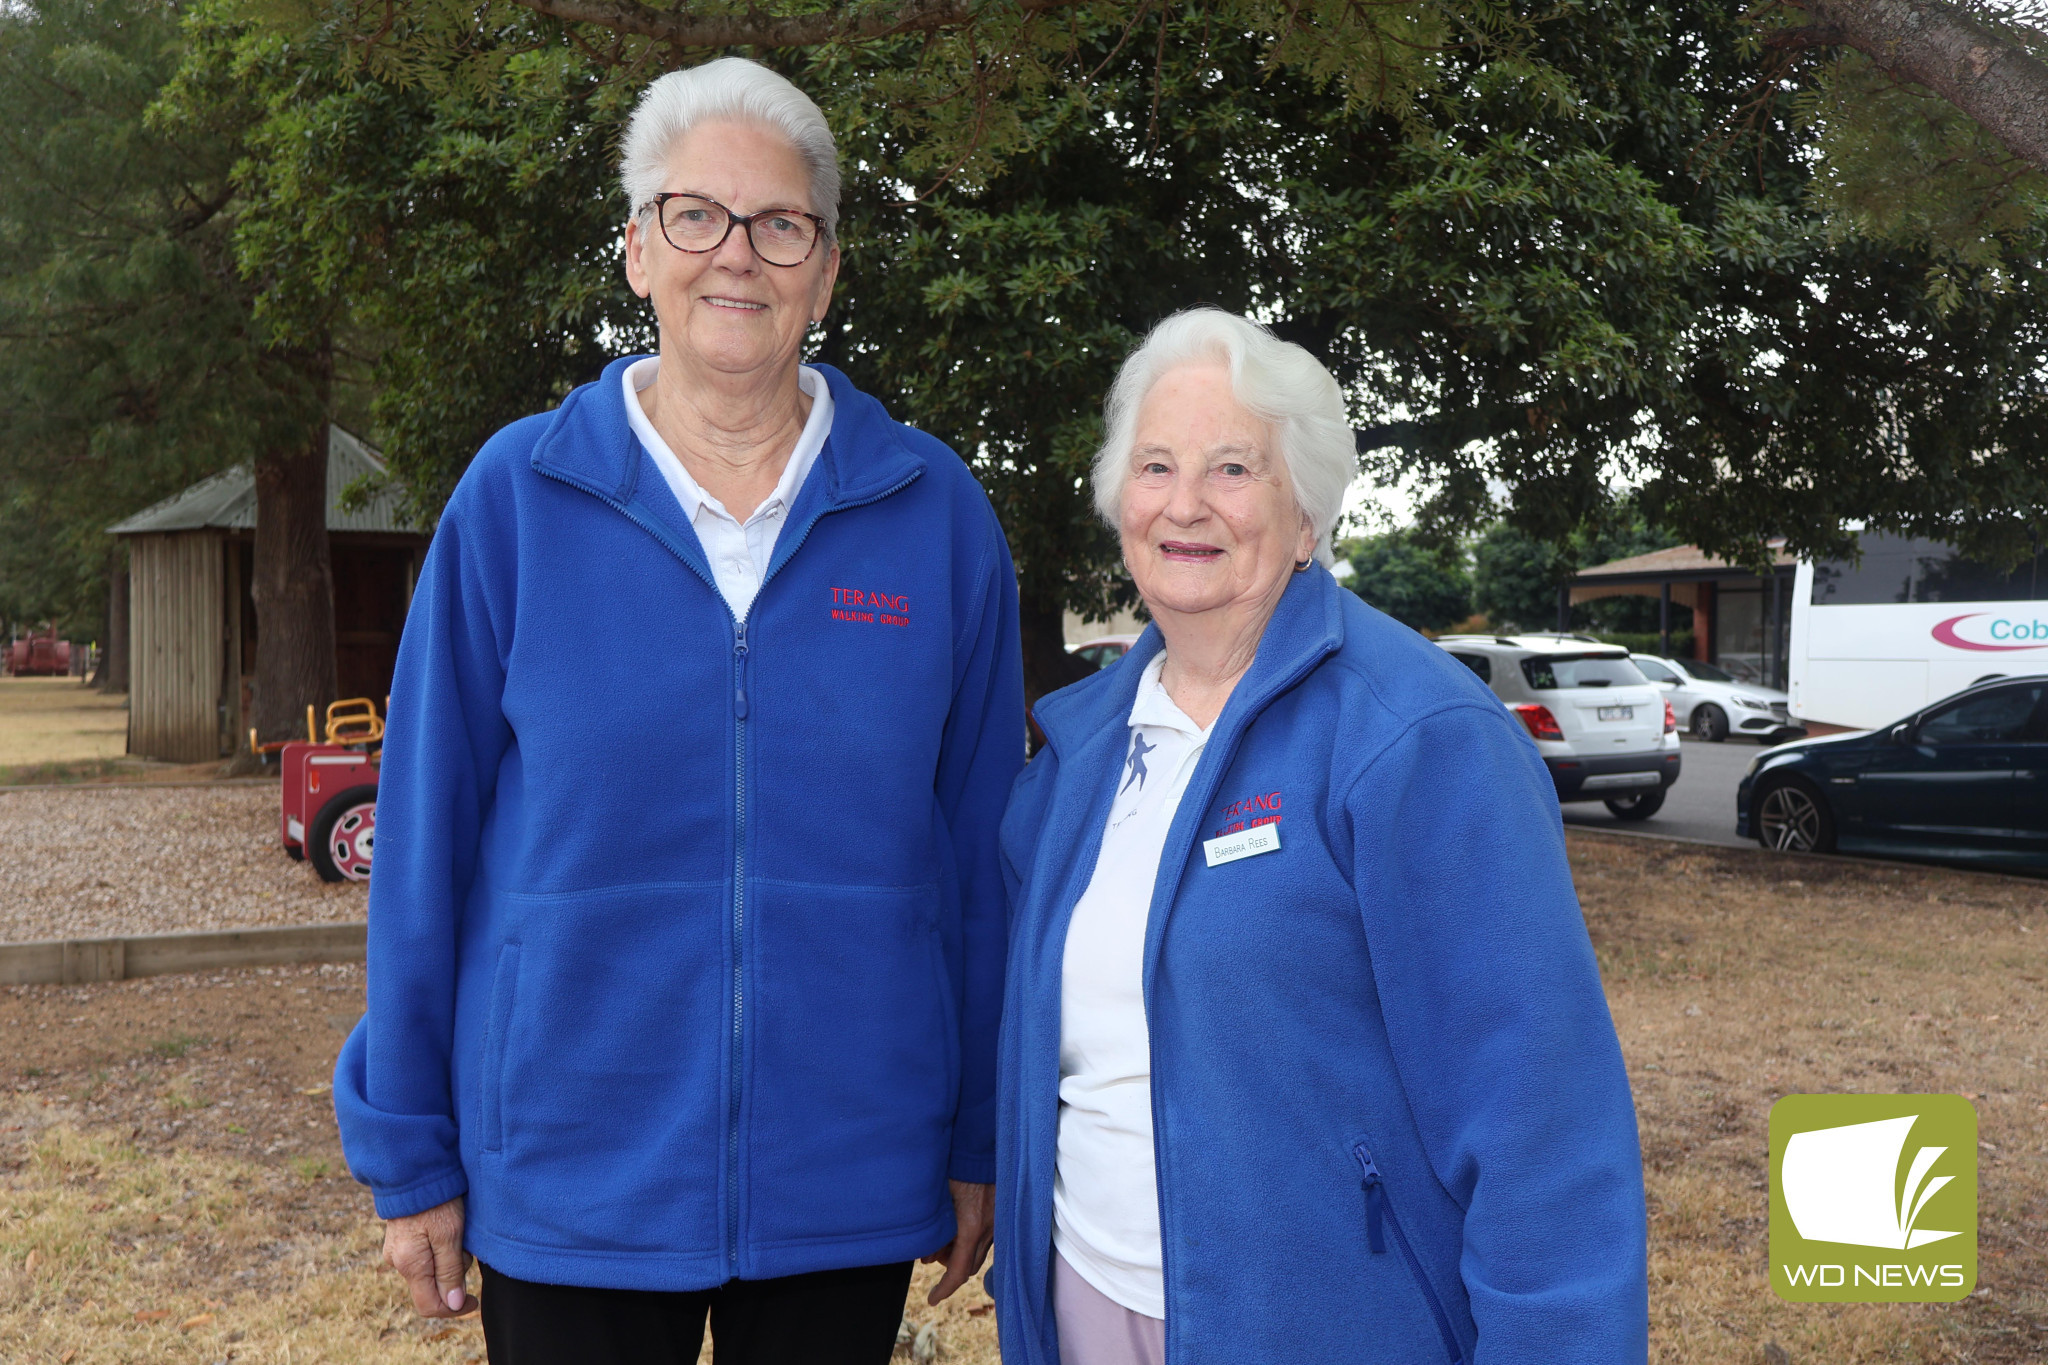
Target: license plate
x,y
1617,713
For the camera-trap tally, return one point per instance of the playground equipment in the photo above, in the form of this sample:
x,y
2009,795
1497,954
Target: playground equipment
x,y
329,814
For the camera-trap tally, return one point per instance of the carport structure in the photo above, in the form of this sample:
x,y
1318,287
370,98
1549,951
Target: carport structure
x,y
1741,620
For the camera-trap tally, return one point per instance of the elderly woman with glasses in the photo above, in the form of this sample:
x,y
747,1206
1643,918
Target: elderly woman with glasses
x,y
687,930
1304,1058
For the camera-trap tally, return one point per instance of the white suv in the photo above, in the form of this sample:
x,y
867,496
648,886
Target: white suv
x,y
1604,732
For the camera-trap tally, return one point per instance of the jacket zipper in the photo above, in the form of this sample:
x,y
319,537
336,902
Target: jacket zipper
x,y
1380,1220
739,943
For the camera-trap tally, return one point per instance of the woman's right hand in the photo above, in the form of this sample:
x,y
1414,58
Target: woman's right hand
x,y
426,1251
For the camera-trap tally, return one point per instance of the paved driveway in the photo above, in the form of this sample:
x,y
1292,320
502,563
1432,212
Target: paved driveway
x,y
1700,805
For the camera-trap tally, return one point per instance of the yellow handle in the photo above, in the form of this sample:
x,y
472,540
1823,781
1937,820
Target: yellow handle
x,y
353,721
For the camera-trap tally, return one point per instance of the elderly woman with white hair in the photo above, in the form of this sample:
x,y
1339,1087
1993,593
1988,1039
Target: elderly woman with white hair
x,y
1304,1053
687,930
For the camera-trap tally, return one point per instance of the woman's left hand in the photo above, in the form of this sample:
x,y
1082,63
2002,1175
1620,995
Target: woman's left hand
x,y
974,1211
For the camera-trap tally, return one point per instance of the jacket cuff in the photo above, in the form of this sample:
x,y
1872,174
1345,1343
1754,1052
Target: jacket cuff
x,y
421,1197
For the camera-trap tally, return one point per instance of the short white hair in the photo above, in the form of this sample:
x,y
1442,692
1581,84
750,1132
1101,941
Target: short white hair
x,y
1277,381
731,88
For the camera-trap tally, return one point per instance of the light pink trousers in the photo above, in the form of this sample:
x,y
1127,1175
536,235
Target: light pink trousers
x,y
1097,1330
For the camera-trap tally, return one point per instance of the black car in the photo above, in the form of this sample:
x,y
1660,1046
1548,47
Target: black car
x,y
1965,780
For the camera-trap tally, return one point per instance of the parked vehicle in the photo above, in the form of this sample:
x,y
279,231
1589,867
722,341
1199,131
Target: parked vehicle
x,y
1104,650
1964,780
1907,623
1711,705
1604,732
39,656
328,814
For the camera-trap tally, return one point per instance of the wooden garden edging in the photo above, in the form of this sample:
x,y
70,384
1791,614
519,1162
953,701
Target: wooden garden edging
x,y
71,961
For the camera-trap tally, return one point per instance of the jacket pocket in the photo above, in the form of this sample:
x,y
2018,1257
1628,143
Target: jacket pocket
x,y
853,1076
1380,1224
604,1073
504,982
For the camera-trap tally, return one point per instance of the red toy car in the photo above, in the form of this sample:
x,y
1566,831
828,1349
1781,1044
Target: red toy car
x,y
330,792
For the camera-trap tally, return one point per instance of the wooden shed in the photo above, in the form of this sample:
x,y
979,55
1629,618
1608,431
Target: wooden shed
x,y
192,622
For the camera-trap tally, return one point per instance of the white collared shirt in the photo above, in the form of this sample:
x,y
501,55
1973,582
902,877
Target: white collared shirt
x,y
1105,1187
739,554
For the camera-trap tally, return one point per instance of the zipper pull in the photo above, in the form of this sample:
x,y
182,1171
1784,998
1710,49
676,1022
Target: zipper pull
x,y
1375,1201
739,670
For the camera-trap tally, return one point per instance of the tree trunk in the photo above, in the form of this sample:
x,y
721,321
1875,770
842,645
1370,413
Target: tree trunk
x,y
293,587
113,675
1047,665
1987,75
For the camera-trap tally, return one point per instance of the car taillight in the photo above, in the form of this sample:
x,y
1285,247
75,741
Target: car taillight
x,y
1670,720
1542,725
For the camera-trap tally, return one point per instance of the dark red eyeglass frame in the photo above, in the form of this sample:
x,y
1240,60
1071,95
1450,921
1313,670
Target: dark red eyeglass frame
x,y
733,220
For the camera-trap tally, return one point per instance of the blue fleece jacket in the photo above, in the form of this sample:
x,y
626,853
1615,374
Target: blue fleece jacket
x,y
1390,1114
687,934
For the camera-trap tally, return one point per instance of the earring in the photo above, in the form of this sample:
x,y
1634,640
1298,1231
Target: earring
x,y
1302,567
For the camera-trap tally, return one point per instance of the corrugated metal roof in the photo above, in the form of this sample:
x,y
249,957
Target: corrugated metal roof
x,y
227,500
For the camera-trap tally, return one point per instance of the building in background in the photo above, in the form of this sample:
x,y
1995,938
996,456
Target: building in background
x,y
1740,621
192,622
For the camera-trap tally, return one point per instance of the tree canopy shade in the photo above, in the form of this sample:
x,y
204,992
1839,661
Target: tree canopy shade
x,y
128,363
467,238
1548,251
133,358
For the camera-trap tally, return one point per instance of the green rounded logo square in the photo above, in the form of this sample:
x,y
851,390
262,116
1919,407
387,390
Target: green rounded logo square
x,y
1873,1198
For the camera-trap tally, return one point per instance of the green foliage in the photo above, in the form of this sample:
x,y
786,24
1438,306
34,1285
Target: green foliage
x,y
1515,576
462,243
128,367
1515,579
1422,585
1550,249
1897,165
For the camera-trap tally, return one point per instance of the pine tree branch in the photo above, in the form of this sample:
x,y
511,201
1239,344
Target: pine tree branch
x,y
1989,76
682,29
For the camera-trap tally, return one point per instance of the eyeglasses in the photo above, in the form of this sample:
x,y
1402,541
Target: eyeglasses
x,y
692,223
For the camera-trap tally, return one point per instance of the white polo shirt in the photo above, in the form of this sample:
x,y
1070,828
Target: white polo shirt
x,y
739,554
1105,1190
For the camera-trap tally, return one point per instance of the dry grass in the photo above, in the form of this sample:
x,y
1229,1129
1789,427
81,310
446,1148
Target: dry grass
x,y
1736,978
113,1254
58,721
166,1157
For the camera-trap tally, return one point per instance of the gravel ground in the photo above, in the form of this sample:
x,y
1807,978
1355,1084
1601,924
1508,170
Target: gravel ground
x,y
85,862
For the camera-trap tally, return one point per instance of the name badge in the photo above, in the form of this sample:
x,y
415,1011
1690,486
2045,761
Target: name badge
x,y
1246,843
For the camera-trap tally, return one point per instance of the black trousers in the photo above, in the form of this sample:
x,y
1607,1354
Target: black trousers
x,y
829,1317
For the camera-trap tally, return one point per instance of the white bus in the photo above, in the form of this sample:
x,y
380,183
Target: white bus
x,y
1910,623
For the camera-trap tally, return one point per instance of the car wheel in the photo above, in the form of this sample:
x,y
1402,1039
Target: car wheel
x,y
1793,817
1709,722
1640,806
344,836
